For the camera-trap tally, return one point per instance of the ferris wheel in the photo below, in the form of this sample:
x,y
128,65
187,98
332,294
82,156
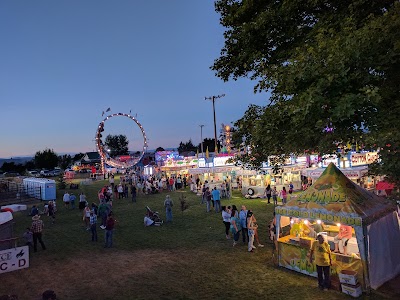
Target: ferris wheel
x,y
104,154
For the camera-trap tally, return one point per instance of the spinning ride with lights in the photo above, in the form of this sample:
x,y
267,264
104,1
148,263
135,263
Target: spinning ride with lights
x,y
105,156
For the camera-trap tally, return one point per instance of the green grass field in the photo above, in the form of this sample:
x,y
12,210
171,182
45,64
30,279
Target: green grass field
x,y
188,259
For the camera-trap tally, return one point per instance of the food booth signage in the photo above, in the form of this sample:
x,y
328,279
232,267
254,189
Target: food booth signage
x,y
359,159
326,217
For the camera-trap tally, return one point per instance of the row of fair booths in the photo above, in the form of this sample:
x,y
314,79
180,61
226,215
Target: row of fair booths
x,y
333,201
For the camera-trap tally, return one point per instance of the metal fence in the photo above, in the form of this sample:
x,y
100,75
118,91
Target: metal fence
x,y
14,192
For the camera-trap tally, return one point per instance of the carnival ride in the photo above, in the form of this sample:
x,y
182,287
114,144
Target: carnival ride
x,y
104,154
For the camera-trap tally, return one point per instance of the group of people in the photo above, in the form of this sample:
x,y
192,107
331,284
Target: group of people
x,y
273,193
213,196
244,223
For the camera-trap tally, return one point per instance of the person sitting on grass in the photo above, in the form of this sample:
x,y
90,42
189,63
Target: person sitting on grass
x,y
148,222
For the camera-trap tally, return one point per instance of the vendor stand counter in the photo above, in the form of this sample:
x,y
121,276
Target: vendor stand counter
x,y
294,254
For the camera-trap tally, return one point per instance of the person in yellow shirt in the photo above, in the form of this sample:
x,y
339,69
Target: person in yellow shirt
x,y
323,261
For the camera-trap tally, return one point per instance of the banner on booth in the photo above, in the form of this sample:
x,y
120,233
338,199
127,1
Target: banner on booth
x,y
326,217
297,259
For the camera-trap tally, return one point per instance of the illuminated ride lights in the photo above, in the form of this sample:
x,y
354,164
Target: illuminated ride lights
x,y
104,155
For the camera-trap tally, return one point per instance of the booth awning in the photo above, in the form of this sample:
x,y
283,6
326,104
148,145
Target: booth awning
x,y
384,185
336,197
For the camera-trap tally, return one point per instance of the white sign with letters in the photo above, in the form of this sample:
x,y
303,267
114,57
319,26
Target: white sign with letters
x,y
14,259
359,159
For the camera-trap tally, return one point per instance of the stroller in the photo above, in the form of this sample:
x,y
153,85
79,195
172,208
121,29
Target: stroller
x,y
153,215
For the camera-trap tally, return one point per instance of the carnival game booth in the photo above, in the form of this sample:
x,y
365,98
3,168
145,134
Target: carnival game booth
x,y
333,201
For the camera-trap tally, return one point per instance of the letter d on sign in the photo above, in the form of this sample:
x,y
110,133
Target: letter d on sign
x,y
21,263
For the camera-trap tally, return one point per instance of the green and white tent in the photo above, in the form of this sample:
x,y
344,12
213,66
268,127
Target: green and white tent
x,y
335,198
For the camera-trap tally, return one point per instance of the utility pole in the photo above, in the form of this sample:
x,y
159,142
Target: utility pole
x,y
201,139
212,98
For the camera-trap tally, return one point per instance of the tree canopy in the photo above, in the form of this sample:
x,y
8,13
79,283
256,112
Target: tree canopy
x,y
186,147
117,144
332,68
46,159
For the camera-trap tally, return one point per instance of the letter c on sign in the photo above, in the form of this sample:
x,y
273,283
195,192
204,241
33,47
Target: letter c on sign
x,y
3,266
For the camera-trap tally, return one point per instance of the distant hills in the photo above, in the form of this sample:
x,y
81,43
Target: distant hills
x,y
15,160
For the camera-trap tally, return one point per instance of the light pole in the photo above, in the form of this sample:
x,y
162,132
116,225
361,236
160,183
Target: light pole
x,y
212,98
201,139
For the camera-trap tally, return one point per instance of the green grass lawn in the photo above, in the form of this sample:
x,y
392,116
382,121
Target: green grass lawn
x,y
188,259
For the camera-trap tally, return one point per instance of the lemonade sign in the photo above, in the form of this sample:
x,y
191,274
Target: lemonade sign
x,y
325,217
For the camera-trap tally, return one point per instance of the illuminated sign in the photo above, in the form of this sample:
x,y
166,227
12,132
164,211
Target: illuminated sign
x,y
221,161
359,159
327,159
326,217
201,163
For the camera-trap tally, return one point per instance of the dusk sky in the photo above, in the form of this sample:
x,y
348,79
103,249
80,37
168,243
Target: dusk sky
x,y
62,63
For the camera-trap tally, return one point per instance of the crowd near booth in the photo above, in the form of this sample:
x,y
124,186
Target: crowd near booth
x,y
334,204
254,183
215,171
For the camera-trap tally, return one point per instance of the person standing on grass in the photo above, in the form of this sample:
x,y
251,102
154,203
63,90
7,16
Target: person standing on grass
x,y
133,192
268,193
111,180
110,223
102,213
235,225
256,232
228,190
93,225
226,219
203,194
72,199
274,194
243,223
37,230
251,228
51,211
86,216
66,199
291,188
217,199
168,208
208,199
284,195
28,236
323,261
120,191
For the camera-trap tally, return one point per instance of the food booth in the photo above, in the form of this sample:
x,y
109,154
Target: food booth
x,y
334,201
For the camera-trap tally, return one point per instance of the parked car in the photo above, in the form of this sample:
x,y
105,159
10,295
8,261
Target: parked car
x,y
33,173
46,173
10,174
56,172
